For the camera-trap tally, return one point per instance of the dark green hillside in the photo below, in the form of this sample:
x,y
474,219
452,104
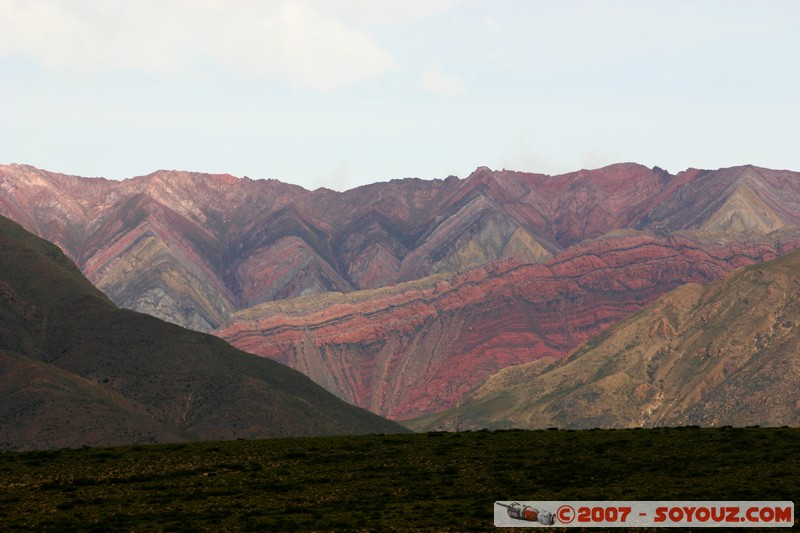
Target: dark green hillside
x,y
75,370
434,481
43,406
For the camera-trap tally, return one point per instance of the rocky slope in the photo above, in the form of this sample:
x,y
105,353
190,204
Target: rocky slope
x,y
194,248
724,353
416,348
76,370
191,248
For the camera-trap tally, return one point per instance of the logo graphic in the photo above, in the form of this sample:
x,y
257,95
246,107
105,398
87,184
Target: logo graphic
x,y
609,514
528,513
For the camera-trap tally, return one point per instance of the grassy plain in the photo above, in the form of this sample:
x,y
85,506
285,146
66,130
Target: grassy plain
x,y
431,481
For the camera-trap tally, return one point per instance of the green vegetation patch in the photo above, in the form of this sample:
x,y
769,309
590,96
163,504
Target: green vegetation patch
x,y
438,481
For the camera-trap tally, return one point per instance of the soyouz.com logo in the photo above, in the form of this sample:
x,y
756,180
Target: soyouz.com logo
x,y
641,513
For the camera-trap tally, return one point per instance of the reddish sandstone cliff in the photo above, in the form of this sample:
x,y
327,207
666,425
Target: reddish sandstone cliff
x,y
418,347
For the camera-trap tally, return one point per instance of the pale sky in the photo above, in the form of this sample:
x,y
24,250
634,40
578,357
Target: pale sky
x,y
339,93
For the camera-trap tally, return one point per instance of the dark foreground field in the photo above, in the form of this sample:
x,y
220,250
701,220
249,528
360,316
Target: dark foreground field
x,y
434,481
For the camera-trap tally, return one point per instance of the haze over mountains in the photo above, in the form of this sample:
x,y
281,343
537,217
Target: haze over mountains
x,y
76,370
455,279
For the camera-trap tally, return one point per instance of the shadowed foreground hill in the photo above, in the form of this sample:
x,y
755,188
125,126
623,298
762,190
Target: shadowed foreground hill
x,y
724,353
75,370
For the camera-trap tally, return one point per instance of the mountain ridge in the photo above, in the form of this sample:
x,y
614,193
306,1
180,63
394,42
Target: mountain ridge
x,y
228,233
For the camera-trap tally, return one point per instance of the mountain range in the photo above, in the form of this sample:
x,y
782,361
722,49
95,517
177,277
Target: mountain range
x,y
193,248
402,296
76,370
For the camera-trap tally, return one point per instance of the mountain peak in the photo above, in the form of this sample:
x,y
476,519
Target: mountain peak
x,y
744,211
185,177
481,174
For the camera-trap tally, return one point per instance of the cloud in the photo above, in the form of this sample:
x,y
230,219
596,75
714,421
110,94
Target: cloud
x,y
523,157
436,81
491,24
385,12
287,40
338,179
596,159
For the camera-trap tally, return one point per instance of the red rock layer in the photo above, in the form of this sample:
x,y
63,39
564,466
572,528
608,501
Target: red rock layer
x,y
419,347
